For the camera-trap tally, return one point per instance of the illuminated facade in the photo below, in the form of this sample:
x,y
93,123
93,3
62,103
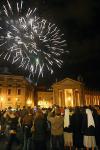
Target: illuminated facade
x,y
92,97
45,99
43,96
15,91
70,92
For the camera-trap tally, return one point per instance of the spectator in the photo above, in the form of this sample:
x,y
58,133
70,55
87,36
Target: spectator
x,y
40,128
27,124
68,130
77,129
88,128
57,124
13,121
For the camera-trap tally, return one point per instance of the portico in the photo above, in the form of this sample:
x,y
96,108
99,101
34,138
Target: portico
x,y
68,92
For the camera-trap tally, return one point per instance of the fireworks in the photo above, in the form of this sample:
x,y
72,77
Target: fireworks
x,y
30,41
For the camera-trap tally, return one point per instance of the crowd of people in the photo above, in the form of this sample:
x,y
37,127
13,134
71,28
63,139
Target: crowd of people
x,y
54,128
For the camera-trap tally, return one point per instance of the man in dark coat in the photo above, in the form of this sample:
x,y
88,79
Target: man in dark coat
x,y
27,124
97,123
39,132
77,127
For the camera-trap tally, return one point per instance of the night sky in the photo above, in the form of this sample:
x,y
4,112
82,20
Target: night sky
x,y
79,21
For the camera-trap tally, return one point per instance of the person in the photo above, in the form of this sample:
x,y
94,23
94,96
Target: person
x,y
77,129
68,129
57,124
97,124
88,129
27,122
2,123
6,117
39,129
13,121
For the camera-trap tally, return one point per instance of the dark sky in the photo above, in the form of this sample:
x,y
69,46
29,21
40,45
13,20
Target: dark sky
x,y
79,21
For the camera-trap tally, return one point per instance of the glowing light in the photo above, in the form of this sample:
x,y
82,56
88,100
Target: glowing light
x,y
30,41
43,103
1,98
29,102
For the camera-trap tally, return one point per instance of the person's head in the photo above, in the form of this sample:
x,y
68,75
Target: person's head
x,y
12,114
77,109
9,109
57,112
29,112
39,114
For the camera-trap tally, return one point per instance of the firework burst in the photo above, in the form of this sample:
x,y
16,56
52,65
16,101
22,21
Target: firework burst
x,y
30,41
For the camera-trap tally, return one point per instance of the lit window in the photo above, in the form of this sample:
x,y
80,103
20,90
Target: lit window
x,y
9,85
18,85
0,90
9,99
9,91
19,91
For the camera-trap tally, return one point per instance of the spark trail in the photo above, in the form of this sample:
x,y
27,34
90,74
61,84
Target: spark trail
x,y
30,41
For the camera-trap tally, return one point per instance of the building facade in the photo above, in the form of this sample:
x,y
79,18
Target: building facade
x,y
15,91
44,99
92,97
43,96
70,92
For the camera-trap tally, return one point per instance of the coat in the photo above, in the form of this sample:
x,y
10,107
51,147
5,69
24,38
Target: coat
x,y
57,124
77,129
88,131
97,134
40,129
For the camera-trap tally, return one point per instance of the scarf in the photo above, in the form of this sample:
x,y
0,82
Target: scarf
x,y
90,119
66,118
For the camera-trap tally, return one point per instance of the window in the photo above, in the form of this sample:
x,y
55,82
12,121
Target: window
x,y
39,98
18,85
0,90
19,91
9,91
9,99
9,79
1,79
9,85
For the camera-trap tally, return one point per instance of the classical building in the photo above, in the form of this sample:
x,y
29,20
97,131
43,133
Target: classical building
x,y
45,99
92,97
70,92
43,96
15,91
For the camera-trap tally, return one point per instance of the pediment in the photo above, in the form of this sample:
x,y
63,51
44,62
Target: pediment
x,y
67,82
